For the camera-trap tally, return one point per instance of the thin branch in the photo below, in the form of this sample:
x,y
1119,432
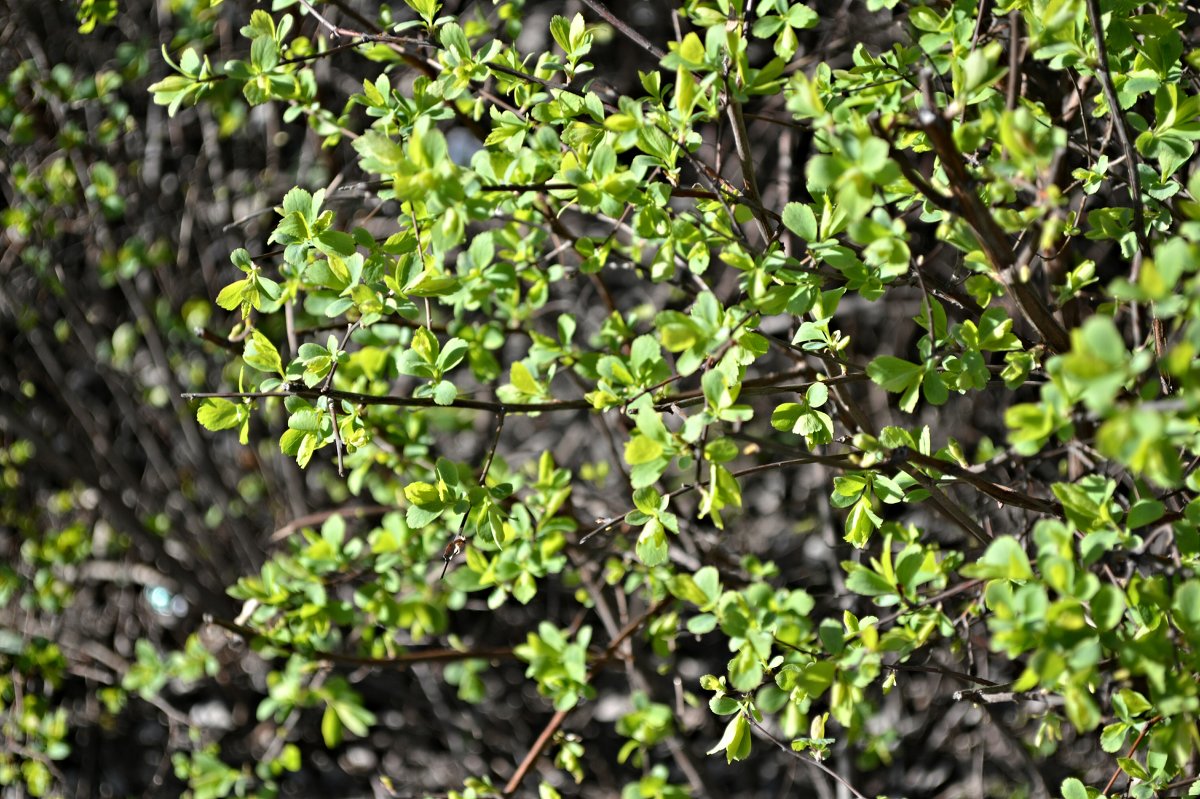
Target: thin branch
x,y
836,461
810,762
1014,60
946,506
741,143
400,402
930,600
1000,493
334,365
212,338
333,29
629,33
458,542
958,675
337,439
336,31
985,696
681,400
1114,108
1136,743
985,12
402,661
319,517
492,450
558,718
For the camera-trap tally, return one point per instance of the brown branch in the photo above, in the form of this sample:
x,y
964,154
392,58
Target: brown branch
x,y
835,461
1114,108
1014,60
741,144
398,44
629,33
212,338
1000,493
402,661
681,400
559,717
676,191
983,696
958,675
398,401
966,203
1136,743
457,541
545,84
930,600
946,506
312,519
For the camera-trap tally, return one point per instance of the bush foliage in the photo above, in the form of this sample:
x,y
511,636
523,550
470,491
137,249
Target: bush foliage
x,y
687,400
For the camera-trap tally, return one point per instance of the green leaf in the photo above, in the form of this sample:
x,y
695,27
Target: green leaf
x,y
684,587
801,17
745,669
735,741
1133,768
894,374
861,522
691,51
799,219
232,295
335,242
816,678
218,414
642,449
331,728
652,544
702,625
1112,737
444,392
261,354
1073,789
832,636
1144,512
1108,606
522,379
422,493
862,580
1005,559
647,500
816,395
1186,609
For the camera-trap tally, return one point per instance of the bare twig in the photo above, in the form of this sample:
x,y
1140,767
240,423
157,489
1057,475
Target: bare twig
x,y
319,517
629,33
458,542
1114,108
401,661
741,143
807,761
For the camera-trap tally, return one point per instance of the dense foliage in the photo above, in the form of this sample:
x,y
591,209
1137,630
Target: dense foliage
x,y
792,395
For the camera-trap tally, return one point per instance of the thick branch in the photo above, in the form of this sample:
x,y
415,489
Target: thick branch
x,y
992,239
